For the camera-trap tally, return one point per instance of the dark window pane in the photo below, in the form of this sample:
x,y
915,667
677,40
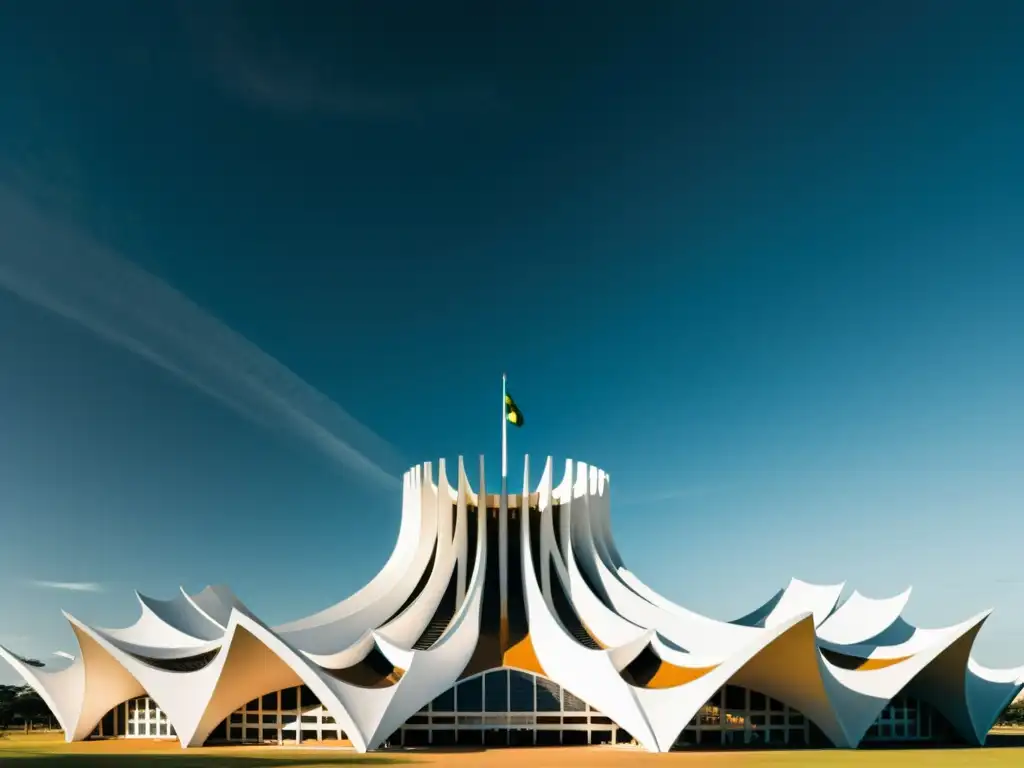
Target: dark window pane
x,y
549,696
496,691
735,698
289,698
270,701
573,703
253,705
309,699
445,702
470,695
520,691
758,702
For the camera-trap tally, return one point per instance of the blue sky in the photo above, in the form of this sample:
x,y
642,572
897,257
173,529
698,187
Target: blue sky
x,y
761,264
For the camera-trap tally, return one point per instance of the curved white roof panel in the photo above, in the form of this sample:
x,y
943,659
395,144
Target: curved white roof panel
x,y
584,621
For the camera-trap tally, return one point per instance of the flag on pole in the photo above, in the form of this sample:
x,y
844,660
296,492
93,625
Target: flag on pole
x,y
512,412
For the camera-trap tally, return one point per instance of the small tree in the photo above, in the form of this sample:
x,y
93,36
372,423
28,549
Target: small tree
x,y
20,703
8,695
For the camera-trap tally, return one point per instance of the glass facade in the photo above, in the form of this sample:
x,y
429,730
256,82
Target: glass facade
x,y
737,716
504,707
293,714
907,719
510,707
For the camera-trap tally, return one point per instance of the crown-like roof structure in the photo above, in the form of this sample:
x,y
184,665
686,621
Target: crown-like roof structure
x,y
531,581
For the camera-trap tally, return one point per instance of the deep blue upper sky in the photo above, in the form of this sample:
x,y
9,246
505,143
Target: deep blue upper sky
x,y
761,262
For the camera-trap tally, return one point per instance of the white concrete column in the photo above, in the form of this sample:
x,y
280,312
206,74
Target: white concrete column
x,y
565,516
546,531
461,546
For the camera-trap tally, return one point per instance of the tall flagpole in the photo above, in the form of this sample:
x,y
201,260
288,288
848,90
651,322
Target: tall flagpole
x,y
504,431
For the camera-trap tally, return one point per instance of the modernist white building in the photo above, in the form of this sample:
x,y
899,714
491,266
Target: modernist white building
x,y
511,619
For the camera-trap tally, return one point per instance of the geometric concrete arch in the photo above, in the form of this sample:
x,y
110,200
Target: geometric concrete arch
x,y
378,657
862,692
861,618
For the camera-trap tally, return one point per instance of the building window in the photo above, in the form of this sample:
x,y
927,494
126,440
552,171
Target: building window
x,y
496,691
470,695
520,691
445,702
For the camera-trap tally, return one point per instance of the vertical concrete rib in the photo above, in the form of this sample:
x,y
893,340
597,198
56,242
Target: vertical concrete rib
x,y
461,545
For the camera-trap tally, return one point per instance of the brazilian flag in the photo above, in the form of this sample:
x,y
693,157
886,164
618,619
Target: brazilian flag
x,y
512,412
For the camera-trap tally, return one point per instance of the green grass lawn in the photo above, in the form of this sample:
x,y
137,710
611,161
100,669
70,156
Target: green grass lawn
x,y
38,750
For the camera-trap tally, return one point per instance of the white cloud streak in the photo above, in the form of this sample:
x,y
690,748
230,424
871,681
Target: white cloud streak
x,y
69,586
65,272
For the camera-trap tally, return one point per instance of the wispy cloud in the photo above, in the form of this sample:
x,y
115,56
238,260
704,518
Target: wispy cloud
x,y
69,586
665,496
275,78
64,271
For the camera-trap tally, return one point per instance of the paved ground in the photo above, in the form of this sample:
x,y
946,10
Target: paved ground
x,y
49,751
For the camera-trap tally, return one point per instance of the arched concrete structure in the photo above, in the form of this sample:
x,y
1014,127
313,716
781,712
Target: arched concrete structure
x,y
588,623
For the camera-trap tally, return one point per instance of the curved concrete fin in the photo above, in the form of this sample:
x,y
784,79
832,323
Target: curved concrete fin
x,y
60,690
406,628
181,614
861,618
157,626
800,597
943,682
860,693
347,657
670,709
589,674
757,616
604,624
431,672
105,682
624,655
252,661
788,668
989,692
216,602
